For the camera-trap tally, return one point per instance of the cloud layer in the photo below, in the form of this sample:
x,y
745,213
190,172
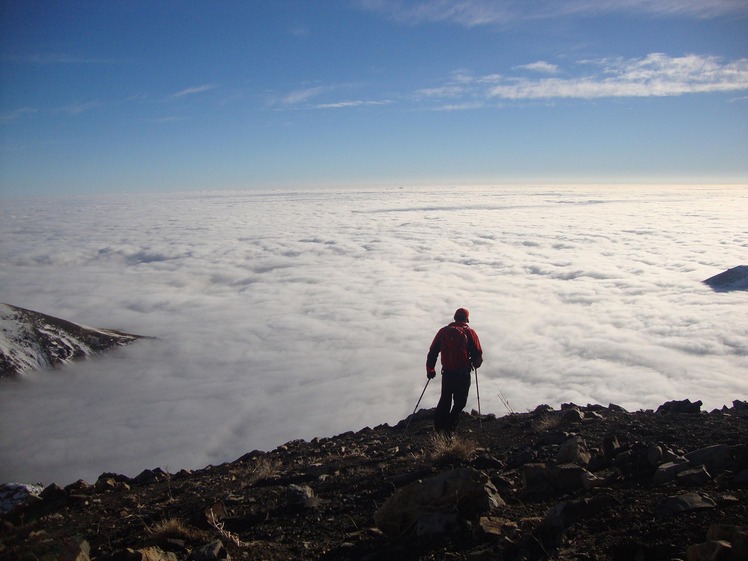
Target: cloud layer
x,y
285,315
656,75
471,13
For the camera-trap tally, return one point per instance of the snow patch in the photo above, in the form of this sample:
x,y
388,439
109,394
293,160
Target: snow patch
x,y
30,340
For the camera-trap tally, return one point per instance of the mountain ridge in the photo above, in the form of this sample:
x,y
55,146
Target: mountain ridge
x,y
579,483
31,340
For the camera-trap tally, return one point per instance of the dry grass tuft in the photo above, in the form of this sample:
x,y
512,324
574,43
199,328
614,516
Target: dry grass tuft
x,y
547,421
172,528
446,449
263,468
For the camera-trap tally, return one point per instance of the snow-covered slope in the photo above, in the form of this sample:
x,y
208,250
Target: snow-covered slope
x,y
31,340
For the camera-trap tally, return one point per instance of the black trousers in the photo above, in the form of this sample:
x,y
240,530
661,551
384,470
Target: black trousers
x,y
455,388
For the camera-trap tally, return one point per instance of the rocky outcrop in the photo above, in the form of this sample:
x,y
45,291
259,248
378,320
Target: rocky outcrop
x,y
732,279
428,508
723,541
30,340
583,482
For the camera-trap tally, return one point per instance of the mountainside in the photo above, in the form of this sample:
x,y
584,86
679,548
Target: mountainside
x,y
732,279
579,483
31,340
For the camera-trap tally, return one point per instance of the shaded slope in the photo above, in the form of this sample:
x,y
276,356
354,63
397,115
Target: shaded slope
x,y
30,340
732,279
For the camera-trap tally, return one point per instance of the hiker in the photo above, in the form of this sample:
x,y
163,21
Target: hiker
x,y
461,352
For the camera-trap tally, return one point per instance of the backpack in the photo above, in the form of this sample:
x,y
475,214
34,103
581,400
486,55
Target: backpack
x,y
454,348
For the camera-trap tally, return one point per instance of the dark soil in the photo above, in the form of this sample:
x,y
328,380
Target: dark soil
x,y
257,508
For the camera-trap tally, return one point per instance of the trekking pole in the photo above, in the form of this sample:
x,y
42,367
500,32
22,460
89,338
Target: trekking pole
x,y
417,404
477,390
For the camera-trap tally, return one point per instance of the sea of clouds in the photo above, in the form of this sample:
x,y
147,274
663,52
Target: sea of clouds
x,y
284,315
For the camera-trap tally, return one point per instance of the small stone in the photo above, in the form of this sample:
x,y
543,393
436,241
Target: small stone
x,y
145,554
102,485
740,479
686,503
590,481
534,478
713,457
654,455
572,416
428,505
79,487
526,456
486,461
213,513
669,456
302,495
668,471
714,550
679,407
76,550
213,551
574,451
563,515
598,462
693,477
494,526
53,492
144,477
431,525
611,446
729,532
550,438
569,476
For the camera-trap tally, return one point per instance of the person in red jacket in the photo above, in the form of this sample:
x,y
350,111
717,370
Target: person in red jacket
x,y
461,352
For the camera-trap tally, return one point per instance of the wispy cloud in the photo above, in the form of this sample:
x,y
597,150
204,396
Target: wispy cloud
x,y
460,106
301,31
461,85
16,114
171,119
300,96
194,90
57,58
680,8
303,97
539,66
355,103
471,13
451,90
467,12
78,108
655,75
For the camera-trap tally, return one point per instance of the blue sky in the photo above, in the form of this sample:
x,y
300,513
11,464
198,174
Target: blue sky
x,y
159,96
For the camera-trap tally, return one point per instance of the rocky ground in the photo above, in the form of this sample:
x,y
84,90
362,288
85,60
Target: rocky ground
x,y
584,483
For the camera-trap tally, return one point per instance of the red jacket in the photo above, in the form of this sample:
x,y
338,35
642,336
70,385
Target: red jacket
x,y
475,352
